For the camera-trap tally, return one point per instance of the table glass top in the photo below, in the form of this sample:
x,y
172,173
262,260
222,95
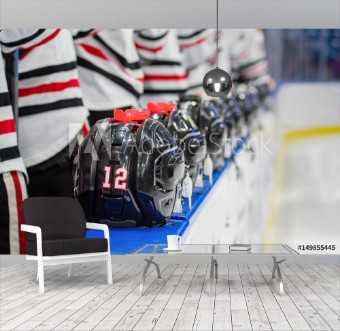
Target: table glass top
x,y
214,249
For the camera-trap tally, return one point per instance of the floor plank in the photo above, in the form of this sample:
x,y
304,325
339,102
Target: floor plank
x,y
239,310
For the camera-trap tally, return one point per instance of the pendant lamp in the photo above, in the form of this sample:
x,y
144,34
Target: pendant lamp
x,y
217,82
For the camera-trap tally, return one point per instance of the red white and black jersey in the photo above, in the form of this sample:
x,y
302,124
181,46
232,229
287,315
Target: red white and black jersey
x,y
10,40
109,69
10,159
198,48
51,110
247,54
164,72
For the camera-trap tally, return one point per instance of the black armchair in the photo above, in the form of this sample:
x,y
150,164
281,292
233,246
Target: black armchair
x,y
55,234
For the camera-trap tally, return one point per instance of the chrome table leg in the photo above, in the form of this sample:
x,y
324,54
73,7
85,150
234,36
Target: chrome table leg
x,y
148,263
213,273
277,270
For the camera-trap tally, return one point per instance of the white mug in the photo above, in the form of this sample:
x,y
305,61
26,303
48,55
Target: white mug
x,y
174,241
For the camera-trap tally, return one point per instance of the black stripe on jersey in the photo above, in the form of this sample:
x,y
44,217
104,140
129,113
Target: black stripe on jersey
x,y
57,105
195,86
245,80
162,63
82,34
9,153
22,52
119,81
143,36
165,91
250,64
4,218
4,99
48,70
122,60
24,40
188,36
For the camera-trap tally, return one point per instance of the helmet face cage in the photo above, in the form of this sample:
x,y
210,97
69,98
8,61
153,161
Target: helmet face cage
x,y
236,116
184,129
226,115
190,139
209,122
248,99
192,104
215,132
160,169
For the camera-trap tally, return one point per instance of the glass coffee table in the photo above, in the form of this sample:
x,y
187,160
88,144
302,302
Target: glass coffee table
x,y
216,253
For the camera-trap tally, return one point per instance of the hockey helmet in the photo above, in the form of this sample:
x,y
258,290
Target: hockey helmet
x,y
182,127
247,97
209,122
239,129
129,171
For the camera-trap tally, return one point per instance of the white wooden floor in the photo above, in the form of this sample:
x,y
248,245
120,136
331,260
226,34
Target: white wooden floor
x,y
244,299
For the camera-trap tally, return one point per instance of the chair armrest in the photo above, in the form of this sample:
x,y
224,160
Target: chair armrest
x,y
37,230
97,226
31,228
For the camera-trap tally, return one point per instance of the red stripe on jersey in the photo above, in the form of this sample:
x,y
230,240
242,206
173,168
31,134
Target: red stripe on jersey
x,y
165,77
243,55
150,49
42,42
7,126
85,129
18,195
141,79
47,88
195,43
255,70
94,51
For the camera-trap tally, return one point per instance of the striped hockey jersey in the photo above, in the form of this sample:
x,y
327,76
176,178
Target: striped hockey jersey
x,y
10,40
51,110
247,54
164,72
10,159
198,49
241,53
109,69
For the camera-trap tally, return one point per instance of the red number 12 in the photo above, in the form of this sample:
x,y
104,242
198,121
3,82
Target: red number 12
x,y
120,178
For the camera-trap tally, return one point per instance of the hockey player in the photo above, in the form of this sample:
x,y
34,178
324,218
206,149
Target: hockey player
x,y
247,55
51,110
109,70
198,49
165,75
241,53
13,175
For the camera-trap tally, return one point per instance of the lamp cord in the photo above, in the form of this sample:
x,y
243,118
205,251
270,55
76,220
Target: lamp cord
x,y
217,32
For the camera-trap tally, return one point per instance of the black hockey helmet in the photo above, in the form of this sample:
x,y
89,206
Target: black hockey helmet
x,y
239,128
185,131
226,114
209,122
129,171
248,99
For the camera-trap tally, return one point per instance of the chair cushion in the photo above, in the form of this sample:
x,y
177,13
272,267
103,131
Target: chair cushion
x,y
69,246
59,218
